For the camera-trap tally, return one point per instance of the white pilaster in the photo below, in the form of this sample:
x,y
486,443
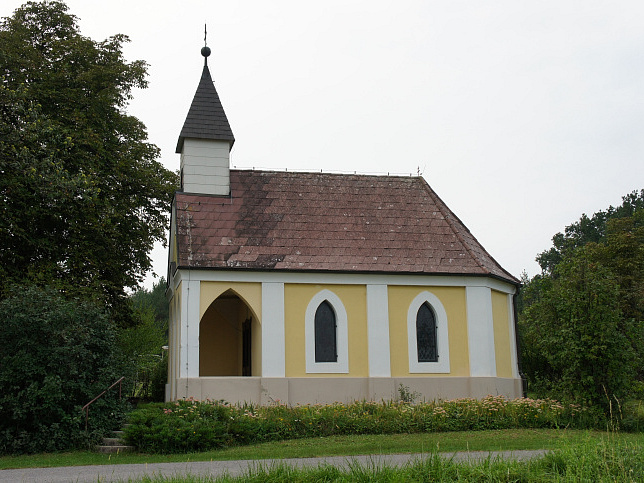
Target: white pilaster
x,y
480,332
171,389
378,331
189,343
273,333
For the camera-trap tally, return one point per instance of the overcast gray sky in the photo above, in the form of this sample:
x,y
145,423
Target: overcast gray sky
x,y
520,115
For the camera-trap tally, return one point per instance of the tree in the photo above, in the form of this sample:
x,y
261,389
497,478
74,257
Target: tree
x,y
588,230
577,343
56,355
82,196
623,253
144,361
581,321
154,299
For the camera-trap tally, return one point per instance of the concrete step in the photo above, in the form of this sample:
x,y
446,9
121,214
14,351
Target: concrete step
x,y
112,442
115,444
114,449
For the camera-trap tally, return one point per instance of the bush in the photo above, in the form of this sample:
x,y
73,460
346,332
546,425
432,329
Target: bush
x,y
158,378
188,425
633,416
142,360
56,355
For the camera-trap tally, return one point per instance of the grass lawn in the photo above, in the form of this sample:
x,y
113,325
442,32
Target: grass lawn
x,y
513,439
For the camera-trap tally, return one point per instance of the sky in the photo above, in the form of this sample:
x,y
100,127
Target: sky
x,y
521,116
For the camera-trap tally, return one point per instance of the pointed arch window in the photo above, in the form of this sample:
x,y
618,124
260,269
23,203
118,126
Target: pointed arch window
x,y
426,334
326,335
326,347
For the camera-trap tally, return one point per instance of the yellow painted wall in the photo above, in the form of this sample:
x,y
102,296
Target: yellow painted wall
x,y
454,302
502,344
249,292
296,300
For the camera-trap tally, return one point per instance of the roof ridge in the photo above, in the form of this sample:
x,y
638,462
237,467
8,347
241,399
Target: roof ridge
x,y
329,173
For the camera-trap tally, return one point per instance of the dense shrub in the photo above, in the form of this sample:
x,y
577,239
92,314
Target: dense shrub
x,y
632,416
189,425
55,356
158,378
141,351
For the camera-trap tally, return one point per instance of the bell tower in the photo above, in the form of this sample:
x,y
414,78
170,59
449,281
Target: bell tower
x,y
205,140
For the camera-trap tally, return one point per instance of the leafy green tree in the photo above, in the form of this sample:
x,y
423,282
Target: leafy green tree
x,y
56,355
577,342
155,299
591,287
588,230
82,195
144,360
623,252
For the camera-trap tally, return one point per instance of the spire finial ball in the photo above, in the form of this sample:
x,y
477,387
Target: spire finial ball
x,y
205,51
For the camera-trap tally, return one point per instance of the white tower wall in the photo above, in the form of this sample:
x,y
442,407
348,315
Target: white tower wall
x,y
205,166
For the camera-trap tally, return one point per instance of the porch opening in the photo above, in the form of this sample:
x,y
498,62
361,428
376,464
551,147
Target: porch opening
x,y
229,338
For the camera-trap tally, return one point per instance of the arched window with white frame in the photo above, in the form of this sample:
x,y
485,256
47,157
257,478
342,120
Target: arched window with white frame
x,y
326,334
427,335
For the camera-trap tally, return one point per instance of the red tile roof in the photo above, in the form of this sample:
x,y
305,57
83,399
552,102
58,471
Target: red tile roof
x,y
327,222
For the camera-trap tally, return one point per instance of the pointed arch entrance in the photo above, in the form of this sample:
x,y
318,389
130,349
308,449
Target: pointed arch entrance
x,y
229,338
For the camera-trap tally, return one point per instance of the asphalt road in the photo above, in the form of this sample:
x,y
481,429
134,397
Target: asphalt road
x,y
116,473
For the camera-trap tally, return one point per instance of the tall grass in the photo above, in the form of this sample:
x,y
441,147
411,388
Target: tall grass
x,y
591,461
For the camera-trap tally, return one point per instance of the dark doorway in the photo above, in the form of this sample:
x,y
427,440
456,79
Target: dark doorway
x,y
246,347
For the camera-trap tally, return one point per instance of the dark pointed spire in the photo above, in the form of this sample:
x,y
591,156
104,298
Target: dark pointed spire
x,y
206,118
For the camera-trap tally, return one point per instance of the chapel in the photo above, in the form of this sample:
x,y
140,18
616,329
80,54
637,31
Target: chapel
x,y
311,287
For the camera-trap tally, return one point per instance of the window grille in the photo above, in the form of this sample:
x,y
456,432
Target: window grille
x,y
426,334
325,334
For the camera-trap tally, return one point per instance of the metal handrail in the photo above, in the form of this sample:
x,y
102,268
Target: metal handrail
x,y
86,407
